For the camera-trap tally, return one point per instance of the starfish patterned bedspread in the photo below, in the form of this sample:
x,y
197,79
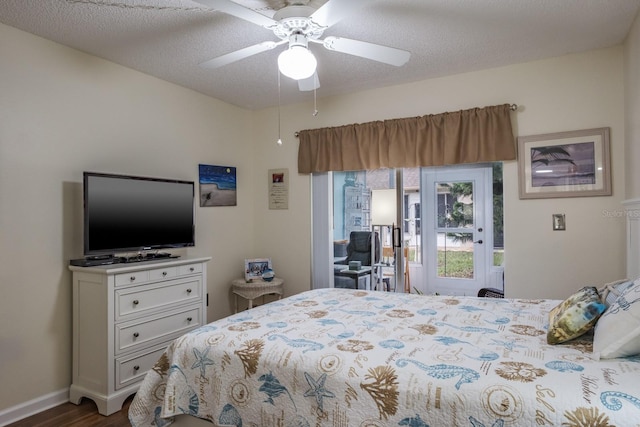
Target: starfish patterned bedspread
x,y
338,357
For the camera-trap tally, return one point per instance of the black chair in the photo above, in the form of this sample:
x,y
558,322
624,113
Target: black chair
x,y
490,293
358,249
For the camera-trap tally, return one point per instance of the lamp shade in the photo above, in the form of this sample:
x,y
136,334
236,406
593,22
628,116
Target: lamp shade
x,y
297,62
383,207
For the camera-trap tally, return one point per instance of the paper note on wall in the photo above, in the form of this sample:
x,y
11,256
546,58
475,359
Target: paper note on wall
x,y
278,188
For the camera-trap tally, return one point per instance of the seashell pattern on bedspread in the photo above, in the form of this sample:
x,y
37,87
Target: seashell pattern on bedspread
x,y
338,357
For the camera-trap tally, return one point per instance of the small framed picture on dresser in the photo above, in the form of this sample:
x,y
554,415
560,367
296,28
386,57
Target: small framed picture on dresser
x,y
253,268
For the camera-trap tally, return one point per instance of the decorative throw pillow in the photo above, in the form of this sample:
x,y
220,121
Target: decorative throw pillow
x,y
574,316
617,333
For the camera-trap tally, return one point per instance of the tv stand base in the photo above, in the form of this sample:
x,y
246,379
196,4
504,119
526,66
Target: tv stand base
x,y
94,261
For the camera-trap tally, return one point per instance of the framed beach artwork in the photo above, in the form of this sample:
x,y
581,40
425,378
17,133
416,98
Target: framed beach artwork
x,y
564,164
217,185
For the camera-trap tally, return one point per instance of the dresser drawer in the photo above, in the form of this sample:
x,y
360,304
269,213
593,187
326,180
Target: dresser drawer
x,y
163,273
147,299
186,269
152,330
132,278
133,369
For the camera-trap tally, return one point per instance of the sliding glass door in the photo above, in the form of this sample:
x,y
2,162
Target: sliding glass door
x,y
386,204
432,229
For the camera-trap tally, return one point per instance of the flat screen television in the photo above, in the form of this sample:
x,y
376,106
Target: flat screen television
x,y
130,213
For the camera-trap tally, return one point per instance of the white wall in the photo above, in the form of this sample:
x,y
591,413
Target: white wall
x,y
632,110
63,112
560,94
585,91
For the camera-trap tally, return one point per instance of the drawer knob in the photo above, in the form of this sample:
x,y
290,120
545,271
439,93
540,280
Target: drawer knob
x,y
189,290
132,278
189,319
164,273
136,335
136,302
191,269
136,368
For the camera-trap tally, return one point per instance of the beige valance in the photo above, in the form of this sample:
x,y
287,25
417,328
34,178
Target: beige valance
x,y
467,136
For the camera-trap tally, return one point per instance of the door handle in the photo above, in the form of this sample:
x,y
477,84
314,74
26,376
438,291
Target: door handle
x,y
396,237
478,242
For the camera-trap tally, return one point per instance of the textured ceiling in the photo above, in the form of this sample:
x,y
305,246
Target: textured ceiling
x,y
169,38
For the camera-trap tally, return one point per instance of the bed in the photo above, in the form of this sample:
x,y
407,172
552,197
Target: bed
x,y
339,357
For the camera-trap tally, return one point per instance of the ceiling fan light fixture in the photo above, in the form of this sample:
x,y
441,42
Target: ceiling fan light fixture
x,y
297,62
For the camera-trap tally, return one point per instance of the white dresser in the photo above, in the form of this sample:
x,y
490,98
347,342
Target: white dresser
x,y
124,316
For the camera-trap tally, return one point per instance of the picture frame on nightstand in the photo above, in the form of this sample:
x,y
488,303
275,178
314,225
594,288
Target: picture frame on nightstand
x,y
253,268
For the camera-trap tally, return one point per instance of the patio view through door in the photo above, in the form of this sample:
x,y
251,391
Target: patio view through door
x,y
444,222
369,201
457,229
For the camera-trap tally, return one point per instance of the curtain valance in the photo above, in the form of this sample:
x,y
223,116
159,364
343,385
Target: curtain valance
x,y
467,136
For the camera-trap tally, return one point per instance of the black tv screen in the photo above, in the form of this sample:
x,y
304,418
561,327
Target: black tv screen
x,y
129,213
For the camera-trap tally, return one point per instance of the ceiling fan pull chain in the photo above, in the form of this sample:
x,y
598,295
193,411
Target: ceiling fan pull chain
x,y
279,141
315,101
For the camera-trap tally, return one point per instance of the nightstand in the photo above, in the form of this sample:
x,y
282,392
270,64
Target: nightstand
x,y
256,288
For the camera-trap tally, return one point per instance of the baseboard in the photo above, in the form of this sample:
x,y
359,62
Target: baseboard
x,y
32,407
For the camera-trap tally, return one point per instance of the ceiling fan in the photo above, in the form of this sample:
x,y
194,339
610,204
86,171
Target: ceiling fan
x,y
298,25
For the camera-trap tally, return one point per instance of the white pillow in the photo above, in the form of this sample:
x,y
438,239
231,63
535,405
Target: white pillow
x,y
611,291
617,333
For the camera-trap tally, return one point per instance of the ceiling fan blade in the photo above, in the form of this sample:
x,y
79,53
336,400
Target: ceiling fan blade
x,y
333,11
234,9
375,52
240,54
309,83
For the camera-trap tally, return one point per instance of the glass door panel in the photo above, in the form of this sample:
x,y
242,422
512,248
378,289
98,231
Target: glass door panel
x,y
455,231
356,208
454,261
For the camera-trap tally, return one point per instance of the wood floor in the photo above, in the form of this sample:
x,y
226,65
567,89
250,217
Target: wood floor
x,y
70,415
